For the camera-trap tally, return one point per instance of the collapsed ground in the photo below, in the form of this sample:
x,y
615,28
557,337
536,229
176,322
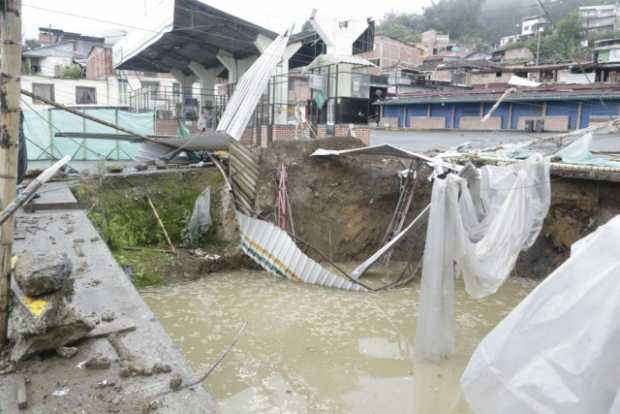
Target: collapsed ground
x,y
340,206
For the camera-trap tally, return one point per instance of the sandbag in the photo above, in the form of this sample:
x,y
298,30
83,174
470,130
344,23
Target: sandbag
x,y
558,351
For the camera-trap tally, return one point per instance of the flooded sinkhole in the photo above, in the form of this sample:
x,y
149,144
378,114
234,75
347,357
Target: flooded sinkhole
x,y
309,349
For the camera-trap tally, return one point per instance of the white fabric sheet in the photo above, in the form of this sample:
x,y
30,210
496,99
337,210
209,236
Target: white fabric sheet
x,y
478,225
559,350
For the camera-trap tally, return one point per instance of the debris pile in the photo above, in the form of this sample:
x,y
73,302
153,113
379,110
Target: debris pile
x,y
43,318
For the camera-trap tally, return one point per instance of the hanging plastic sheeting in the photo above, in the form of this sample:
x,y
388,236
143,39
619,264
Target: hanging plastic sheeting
x,y
579,153
200,222
275,251
478,225
557,351
250,88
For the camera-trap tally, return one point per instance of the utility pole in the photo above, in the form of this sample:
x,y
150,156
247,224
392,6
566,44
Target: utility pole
x,y
538,49
10,71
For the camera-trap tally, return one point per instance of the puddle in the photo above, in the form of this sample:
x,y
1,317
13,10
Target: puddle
x,y
309,349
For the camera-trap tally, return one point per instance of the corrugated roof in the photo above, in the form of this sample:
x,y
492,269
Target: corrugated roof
x,y
57,50
544,93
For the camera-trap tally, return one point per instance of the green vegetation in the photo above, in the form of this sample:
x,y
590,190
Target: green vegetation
x,y
563,43
146,267
480,24
120,211
72,72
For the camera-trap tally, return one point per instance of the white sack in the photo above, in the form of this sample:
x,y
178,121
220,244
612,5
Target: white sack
x,y
559,350
476,231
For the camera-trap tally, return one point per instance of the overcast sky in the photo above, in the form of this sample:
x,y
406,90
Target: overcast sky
x,y
272,14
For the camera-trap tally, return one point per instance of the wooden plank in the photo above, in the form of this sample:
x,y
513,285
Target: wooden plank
x,y
117,327
22,395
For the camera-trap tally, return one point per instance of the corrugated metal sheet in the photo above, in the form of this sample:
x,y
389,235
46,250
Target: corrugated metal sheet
x,y
275,251
243,177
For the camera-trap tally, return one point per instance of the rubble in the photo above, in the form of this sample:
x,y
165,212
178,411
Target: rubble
x,y
108,316
43,273
67,352
45,324
176,381
97,362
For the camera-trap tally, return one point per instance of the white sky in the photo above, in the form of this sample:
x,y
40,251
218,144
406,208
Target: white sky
x,y
272,14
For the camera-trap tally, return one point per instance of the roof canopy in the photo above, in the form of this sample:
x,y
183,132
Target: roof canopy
x,y
184,31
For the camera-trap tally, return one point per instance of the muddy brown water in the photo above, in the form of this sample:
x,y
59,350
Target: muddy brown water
x,y
310,349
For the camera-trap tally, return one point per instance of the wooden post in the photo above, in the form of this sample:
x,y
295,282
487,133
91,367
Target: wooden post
x,y
10,71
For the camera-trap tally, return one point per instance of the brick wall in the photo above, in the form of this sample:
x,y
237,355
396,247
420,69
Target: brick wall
x,y
171,126
99,65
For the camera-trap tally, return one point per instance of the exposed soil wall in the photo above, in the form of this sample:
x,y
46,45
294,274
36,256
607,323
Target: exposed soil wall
x,y
578,207
343,205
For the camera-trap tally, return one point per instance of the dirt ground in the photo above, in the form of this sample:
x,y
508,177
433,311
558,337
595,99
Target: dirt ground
x,y
343,205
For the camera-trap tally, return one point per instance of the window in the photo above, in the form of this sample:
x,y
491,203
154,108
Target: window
x,y
123,91
43,90
498,74
151,87
85,96
176,89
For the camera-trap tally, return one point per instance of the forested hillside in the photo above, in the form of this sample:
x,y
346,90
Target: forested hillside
x,y
477,22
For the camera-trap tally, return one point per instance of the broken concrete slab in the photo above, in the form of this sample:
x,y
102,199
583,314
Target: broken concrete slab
x,y
98,362
143,334
67,351
44,325
42,273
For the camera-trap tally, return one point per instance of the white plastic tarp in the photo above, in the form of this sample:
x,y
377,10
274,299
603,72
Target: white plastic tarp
x,y
579,152
478,225
558,351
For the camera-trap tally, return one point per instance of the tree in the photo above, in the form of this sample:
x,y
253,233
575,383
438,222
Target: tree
x,y
459,18
404,27
563,44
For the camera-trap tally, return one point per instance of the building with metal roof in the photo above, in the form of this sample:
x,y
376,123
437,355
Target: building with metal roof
x,y
554,107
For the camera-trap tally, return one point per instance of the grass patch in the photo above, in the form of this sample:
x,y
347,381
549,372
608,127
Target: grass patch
x,y
119,209
145,267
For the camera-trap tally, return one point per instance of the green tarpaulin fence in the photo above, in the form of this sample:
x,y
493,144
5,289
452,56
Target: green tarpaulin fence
x,y
41,126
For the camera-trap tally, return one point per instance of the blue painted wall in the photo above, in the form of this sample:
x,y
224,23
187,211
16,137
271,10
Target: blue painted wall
x,y
569,109
524,109
415,110
394,111
557,108
465,109
444,111
502,111
596,108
